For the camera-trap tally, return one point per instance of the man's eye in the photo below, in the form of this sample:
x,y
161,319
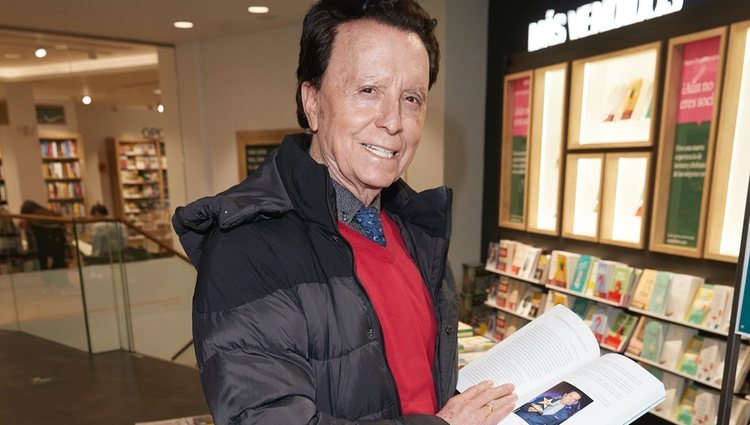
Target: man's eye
x,y
413,99
368,90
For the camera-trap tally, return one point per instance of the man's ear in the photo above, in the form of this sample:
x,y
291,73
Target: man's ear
x,y
310,104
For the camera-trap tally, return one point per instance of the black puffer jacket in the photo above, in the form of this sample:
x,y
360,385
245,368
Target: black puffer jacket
x,y
284,332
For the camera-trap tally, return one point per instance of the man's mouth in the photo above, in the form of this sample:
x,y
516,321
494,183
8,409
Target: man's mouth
x,y
383,153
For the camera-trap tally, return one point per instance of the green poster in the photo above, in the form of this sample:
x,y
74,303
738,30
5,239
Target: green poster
x,y
686,187
517,179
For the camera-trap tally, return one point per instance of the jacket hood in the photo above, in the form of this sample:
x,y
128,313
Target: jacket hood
x,y
289,179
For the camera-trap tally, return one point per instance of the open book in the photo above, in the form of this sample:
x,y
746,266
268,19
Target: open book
x,y
555,365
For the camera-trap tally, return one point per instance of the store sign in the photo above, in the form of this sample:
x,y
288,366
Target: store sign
x,y
594,18
521,100
695,107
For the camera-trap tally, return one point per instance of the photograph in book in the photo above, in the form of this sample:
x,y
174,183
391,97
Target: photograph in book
x,y
554,406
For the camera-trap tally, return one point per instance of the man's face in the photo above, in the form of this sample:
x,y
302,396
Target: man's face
x,y
368,113
570,398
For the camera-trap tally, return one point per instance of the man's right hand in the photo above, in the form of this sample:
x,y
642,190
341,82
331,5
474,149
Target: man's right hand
x,y
481,404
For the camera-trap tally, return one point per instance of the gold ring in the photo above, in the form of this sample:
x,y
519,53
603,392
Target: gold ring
x,y
492,409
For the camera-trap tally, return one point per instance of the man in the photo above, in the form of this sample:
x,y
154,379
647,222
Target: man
x,y
550,410
323,294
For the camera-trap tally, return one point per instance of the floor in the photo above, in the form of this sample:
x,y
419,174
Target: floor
x,y
43,382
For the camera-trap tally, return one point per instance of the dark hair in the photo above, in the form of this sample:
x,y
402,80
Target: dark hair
x,y
99,209
321,24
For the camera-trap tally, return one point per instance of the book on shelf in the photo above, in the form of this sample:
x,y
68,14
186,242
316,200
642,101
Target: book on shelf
x,y
532,303
688,363
492,256
530,261
474,343
619,283
674,385
506,249
562,268
681,293
584,309
603,277
619,330
542,268
554,298
698,406
643,290
719,309
566,359
675,341
464,330
599,322
581,273
657,302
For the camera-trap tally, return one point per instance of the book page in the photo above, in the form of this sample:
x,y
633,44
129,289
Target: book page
x,y
612,390
551,345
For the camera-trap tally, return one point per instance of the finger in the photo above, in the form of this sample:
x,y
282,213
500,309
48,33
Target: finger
x,y
492,393
501,410
472,391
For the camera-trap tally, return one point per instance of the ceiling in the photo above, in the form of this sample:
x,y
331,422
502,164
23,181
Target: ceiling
x,y
150,20
106,49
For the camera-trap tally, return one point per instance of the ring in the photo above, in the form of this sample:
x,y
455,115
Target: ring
x,y
492,409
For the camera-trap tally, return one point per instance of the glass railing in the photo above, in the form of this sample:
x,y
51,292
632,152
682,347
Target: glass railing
x,y
96,285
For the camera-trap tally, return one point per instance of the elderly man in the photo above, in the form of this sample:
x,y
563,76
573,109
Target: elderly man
x,y
323,294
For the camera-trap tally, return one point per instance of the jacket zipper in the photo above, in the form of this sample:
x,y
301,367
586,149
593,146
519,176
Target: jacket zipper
x,y
371,311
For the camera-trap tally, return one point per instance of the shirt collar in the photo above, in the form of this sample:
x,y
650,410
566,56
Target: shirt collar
x,y
347,204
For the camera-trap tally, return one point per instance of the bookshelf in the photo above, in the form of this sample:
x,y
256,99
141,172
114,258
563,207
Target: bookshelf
x,y
139,186
63,172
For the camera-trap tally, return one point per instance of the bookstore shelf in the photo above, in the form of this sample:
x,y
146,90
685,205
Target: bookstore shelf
x,y
63,172
509,311
678,322
516,277
672,371
584,296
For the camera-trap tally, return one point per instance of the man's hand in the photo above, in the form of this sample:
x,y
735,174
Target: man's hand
x,y
481,404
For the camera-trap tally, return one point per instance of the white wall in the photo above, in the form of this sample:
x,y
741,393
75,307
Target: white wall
x,y
465,74
95,125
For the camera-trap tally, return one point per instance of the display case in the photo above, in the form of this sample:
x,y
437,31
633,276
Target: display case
x,y
583,184
624,204
730,176
686,145
612,99
546,149
62,169
253,146
515,150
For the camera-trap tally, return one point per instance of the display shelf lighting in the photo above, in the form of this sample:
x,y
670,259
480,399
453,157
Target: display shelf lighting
x,y
40,52
160,108
258,9
183,24
86,100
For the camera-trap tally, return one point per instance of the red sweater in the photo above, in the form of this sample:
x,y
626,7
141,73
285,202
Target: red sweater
x,y
404,307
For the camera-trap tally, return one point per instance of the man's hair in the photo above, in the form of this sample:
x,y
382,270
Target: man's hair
x,y
323,19
99,209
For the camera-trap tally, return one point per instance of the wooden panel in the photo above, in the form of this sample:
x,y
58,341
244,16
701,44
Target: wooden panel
x,y
506,156
539,105
258,138
571,194
609,194
667,146
577,101
725,142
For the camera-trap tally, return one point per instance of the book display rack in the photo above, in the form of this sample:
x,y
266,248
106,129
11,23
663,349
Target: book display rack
x,y
63,170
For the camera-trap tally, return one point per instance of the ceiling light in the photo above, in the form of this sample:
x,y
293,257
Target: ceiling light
x,y
160,108
86,100
183,24
257,9
157,91
40,53
12,56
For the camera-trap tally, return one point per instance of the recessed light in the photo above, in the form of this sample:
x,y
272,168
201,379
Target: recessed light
x,y
160,108
258,9
183,24
40,53
86,100
157,91
12,56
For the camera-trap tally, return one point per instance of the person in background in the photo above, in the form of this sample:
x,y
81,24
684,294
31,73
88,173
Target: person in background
x,y
108,239
46,238
323,293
